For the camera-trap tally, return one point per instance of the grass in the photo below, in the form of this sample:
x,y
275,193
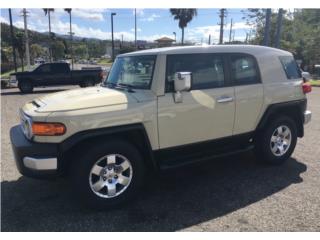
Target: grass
x,y
315,83
7,74
105,62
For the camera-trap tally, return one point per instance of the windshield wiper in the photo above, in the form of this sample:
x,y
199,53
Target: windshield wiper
x,y
125,85
120,85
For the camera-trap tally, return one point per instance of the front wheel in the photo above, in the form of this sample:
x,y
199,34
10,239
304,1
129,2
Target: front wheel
x,y
108,174
276,143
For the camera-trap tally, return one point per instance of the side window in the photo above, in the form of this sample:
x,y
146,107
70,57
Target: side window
x,y
44,68
290,67
207,70
244,69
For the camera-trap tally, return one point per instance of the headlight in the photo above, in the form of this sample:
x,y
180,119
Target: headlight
x,y
26,124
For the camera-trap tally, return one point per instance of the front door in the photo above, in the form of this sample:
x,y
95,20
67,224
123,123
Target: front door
x,y
206,111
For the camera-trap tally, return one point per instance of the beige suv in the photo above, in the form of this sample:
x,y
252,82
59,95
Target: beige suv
x,y
163,108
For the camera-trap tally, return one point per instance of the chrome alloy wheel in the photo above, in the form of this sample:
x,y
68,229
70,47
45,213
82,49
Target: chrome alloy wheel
x,y
110,176
280,140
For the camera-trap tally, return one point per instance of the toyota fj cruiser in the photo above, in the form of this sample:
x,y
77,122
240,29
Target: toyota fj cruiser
x,y
163,108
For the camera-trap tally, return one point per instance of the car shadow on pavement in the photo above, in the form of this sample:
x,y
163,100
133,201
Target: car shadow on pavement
x,y
36,91
174,200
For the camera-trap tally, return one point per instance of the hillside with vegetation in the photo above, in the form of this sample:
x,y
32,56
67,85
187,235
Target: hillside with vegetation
x,y
83,48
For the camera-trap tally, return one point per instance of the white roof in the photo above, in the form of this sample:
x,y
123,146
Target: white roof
x,y
250,49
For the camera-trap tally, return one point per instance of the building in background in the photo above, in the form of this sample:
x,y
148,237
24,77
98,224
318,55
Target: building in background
x,y
164,42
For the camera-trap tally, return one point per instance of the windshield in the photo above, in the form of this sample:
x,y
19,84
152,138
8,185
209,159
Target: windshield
x,y
134,71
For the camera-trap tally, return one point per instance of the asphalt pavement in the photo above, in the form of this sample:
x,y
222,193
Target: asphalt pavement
x,y
228,194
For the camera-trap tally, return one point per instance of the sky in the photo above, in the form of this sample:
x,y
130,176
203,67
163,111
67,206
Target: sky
x,y
151,23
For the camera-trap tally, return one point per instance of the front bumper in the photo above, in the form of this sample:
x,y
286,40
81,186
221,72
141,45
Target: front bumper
x,y
33,159
307,116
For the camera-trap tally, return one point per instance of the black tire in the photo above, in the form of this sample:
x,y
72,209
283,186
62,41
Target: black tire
x,y
87,83
81,169
263,146
25,86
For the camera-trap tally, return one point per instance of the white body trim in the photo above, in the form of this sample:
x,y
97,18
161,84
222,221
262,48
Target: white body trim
x,y
40,163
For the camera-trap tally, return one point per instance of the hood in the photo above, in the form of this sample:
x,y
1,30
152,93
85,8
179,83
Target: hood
x,y
83,98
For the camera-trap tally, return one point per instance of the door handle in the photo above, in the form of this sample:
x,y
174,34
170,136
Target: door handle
x,y
224,99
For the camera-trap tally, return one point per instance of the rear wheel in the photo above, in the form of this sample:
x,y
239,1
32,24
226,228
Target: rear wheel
x,y
108,174
277,141
25,86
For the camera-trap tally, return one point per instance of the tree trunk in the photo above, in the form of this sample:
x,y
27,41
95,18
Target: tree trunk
x,y
50,43
182,37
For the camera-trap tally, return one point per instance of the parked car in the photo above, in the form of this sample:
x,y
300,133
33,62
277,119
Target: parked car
x,y
51,74
164,108
305,75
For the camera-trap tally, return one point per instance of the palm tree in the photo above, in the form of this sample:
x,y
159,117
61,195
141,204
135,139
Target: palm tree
x,y
68,10
184,15
47,12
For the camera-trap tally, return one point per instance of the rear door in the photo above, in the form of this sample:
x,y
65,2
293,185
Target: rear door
x,y
245,76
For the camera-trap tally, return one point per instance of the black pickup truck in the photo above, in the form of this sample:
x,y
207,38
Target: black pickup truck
x,y
54,74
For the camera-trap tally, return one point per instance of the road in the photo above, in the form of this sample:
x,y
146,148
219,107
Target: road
x,y
229,194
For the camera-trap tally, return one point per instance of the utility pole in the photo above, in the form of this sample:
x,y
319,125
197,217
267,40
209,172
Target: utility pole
x,y
50,40
266,39
112,14
121,40
12,42
222,16
24,14
231,25
71,37
209,41
249,37
279,27
135,28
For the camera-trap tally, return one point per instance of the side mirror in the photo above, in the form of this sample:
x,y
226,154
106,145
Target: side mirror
x,y
182,82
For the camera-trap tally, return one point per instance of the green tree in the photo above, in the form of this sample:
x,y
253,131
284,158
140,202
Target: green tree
x,y
58,50
184,16
80,51
300,32
36,51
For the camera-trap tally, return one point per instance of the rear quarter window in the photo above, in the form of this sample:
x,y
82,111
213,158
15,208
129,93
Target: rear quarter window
x,y
290,67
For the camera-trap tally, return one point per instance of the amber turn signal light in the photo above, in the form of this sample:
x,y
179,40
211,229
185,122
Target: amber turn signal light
x,y
48,129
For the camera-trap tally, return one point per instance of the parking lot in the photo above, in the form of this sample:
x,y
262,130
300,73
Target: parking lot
x,y
229,194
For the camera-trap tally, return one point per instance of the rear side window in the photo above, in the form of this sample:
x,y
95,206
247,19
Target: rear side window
x,y
244,69
290,67
207,70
